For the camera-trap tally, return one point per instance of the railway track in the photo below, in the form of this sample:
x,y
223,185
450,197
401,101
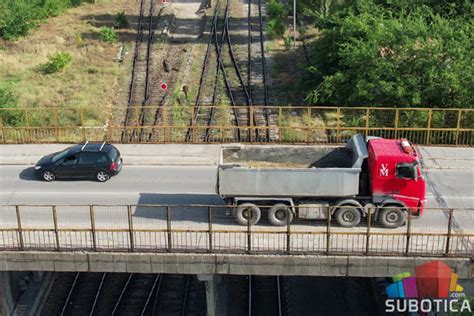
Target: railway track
x,y
140,79
136,294
83,294
245,93
125,294
265,297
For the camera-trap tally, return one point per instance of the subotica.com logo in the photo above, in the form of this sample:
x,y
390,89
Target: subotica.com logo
x,y
434,288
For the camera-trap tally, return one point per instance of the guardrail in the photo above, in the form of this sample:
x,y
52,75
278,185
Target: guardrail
x,y
289,124
211,228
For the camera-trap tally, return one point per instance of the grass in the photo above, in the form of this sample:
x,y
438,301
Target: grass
x,y
91,78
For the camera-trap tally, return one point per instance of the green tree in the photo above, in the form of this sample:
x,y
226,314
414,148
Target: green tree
x,y
381,53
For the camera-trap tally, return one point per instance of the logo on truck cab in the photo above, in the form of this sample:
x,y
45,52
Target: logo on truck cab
x,y
384,170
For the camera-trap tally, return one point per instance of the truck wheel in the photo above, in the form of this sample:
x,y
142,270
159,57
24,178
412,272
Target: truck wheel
x,y
392,217
347,216
279,215
245,211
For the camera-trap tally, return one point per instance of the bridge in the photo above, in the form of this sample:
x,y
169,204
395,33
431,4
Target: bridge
x,y
161,215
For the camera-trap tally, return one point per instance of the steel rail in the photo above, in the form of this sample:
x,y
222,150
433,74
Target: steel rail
x,y
146,96
264,72
216,83
224,74
71,290
185,298
250,296
157,294
155,282
280,312
234,62
96,299
117,304
134,64
197,104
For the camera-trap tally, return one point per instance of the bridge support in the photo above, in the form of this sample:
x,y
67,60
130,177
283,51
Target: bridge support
x,y
210,280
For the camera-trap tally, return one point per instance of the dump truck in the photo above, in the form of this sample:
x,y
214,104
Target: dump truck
x,y
376,176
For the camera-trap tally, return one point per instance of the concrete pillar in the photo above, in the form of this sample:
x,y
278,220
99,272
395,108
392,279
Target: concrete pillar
x,y
210,281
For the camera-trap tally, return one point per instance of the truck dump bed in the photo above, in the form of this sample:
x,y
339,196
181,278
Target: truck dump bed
x,y
287,171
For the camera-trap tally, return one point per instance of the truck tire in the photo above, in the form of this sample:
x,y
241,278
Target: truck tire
x,y
347,216
280,215
392,216
243,211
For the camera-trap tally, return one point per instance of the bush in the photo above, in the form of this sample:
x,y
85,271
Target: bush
x,y
379,55
10,101
56,63
276,17
121,21
18,16
108,34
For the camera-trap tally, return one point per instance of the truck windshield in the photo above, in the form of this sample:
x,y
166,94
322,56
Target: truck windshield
x,y
406,171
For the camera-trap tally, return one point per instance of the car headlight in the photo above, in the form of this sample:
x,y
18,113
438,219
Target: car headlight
x,y
37,167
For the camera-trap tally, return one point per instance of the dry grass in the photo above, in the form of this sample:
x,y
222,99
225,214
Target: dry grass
x,y
91,79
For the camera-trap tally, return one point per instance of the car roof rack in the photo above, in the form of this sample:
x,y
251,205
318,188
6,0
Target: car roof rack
x,y
102,146
84,146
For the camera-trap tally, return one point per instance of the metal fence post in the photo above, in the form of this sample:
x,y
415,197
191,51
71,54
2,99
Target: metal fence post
x,y
130,227
395,125
249,233
209,218
252,124
448,237
367,122
309,129
92,217
280,122
55,223
458,126
407,247
369,222
20,231
338,123
168,226
288,233
428,131
328,230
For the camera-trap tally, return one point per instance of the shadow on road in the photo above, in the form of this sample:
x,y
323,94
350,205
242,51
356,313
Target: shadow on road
x,y
28,174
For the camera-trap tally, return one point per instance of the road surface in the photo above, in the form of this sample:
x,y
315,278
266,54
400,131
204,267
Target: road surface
x,y
450,185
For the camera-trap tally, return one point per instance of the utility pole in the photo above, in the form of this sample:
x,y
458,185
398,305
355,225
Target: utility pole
x,y
294,24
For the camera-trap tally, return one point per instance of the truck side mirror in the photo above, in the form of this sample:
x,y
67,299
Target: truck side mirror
x,y
406,171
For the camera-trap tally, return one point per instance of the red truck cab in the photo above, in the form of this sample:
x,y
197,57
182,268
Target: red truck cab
x,y
395,174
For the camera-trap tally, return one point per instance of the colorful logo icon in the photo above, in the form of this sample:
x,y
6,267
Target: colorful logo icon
x,y
434,279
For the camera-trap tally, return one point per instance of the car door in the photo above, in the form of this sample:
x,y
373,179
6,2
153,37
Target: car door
x,y
86,166
67,168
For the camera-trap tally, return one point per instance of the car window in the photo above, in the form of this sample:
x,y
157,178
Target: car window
x,y
87,158
101,158
113,154
60,155
70,160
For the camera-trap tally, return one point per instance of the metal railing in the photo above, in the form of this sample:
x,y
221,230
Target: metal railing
x,y
289,124
212,228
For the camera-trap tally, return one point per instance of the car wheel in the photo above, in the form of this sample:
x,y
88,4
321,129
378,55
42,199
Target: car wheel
x,y
348,216
245,211
102,176
392,217
280,215
48,176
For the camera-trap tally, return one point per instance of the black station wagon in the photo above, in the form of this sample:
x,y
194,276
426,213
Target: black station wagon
x,y
92,161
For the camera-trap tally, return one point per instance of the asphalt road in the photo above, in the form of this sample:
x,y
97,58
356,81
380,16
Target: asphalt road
x,y
450,180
